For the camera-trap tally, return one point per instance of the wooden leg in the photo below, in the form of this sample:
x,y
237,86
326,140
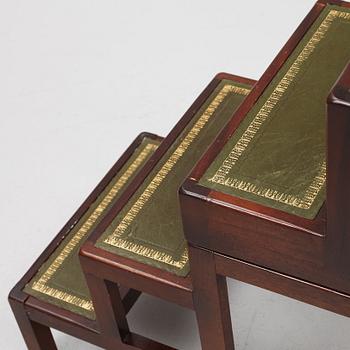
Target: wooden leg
x,y
110,312
129,298
210,301
36,336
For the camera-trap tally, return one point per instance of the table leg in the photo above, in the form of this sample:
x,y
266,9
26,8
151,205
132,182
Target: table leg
x,y
36,335
210,301
110,311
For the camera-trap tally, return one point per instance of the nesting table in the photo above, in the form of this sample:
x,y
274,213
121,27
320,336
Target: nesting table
x,y
53,293
140,243
269,202
251,183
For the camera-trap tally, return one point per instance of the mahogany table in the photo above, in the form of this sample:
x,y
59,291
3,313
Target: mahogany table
x,y
46,297
140,243
296,244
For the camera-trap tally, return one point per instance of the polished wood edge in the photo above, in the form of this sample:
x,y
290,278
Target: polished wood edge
x,y
95,259
16,294
89,333
334,2
338,172
340,94
129,296
84,331
274,281
272,214
28,313
235,78
39,307
192,189
68,322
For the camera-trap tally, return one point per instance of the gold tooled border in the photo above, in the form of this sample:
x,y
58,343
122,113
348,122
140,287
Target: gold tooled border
x,y
220,177
42,284
115,239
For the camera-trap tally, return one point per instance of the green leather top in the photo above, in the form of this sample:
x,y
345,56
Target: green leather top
x,y
149,229
277,157
60,280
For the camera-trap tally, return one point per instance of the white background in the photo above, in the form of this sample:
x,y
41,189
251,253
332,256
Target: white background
x,y
78,81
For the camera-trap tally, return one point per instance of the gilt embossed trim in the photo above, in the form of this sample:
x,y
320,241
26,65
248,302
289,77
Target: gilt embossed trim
x,y
42,284
115,238
220,177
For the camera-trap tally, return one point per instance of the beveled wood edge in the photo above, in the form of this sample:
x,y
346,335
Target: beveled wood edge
x,y
136,275
316,226
17,295
37,311
192,189
129,297
334,2
338,172
235,78
340,94
302,290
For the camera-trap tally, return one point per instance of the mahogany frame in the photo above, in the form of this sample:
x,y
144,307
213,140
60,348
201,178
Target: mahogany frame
x,y
104,270
35,317
303,259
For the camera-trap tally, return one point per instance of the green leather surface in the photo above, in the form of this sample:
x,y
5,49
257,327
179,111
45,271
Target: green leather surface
x,y
277,155
60,280
149,228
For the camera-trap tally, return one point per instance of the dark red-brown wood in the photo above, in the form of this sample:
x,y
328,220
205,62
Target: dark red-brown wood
x,y
35,317
100,264
300,258
264,236
338,175
210,301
